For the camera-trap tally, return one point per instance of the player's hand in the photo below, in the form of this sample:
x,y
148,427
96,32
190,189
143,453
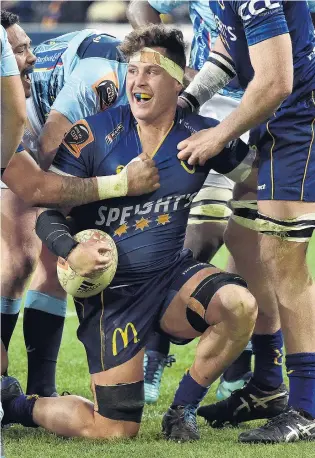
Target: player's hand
x,y
90,258
143,176
200,147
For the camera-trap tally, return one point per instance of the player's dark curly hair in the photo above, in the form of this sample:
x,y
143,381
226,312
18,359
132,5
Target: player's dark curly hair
x,y
8,19
156,35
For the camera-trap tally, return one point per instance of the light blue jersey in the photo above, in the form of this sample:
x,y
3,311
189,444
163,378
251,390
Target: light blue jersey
x,y
311,5
205,34
78,74
8,63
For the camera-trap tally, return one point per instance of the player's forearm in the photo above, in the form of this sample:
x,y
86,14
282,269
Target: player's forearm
x,y
260,100
142,13
13,116
216,73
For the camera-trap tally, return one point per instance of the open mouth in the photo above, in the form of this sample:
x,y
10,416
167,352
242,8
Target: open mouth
x,y
26,75
142,98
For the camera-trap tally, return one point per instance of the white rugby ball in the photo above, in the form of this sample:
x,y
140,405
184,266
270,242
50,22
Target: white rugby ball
x,y
84,287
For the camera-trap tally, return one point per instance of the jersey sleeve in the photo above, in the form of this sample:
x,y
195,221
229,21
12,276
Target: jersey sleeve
x,y
95,85
20,148
165,7
235,161
262,19
8,63
75,154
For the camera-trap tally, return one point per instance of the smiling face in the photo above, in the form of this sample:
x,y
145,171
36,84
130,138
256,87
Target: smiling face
x,y
21,46
151,91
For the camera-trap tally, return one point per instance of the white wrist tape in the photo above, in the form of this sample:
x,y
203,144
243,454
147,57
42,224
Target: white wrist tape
x,y
114,185
214,75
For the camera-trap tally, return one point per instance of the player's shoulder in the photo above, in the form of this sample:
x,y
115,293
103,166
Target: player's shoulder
x,y
101,45
193,122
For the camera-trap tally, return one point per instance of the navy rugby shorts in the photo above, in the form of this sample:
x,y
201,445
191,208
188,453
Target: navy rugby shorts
x,y
116,324
286,147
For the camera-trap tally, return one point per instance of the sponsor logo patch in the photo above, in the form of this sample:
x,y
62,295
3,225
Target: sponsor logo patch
x,y
78,137
114,133
106,89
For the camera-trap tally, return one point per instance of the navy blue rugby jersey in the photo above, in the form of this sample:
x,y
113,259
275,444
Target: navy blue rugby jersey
x,y
149,230
245,23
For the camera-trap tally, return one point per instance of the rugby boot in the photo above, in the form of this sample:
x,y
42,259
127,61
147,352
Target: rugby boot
x,y
225,388
154,364
288,426
180,424
246,404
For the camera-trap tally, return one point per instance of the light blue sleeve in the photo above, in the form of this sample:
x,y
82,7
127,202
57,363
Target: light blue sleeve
x,y
311,5
95,85
165,6
8,63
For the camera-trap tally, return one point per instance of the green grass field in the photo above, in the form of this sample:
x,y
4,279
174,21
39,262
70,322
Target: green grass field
x,y
73,376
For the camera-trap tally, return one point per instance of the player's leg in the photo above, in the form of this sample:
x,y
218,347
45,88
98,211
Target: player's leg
x,y
286,265
116,411
204,236
286,205
43,322
218,307
20,248
266,384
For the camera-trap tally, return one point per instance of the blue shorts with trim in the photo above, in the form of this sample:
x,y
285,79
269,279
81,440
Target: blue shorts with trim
x,y
117,323
286,148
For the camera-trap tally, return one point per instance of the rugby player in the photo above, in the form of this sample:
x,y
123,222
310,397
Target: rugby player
x,y
13,108
158,285
210,211
70,63
271,45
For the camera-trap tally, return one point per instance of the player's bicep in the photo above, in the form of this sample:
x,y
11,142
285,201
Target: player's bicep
x,y
75,154
272,60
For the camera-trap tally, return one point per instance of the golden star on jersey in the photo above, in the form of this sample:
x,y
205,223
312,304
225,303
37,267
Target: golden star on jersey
x,y
121,230
142,223
163,219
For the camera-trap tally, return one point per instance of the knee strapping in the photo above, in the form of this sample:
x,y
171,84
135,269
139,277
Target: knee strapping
x,y
124,401
201,297
299,229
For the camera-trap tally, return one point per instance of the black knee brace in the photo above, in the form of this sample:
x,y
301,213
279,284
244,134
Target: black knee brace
x,y
196,309
124,401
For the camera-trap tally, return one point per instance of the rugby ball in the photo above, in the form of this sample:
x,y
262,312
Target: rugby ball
x,y
83,287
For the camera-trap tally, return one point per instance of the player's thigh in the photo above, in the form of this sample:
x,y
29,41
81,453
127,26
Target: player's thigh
x,y
210,305
20,246
116,382
45,277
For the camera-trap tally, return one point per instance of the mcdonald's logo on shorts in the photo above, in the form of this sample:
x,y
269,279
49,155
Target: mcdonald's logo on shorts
x,y
123,333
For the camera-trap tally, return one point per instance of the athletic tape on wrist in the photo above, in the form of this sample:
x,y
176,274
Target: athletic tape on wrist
x,y
214,75
114,185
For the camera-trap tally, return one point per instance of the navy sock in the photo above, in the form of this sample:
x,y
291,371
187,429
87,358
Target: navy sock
x,y
301,372
160,343
10,309
189,392
268,360
44,318
20,410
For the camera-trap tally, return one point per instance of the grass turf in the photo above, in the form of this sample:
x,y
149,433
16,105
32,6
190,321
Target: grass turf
x,y
72,375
